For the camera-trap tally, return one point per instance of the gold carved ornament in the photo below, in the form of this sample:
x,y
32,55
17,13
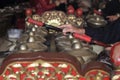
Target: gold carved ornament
x,y
57,18
42,70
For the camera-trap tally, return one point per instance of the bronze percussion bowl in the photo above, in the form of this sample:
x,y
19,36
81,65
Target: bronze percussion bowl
x,y
96,21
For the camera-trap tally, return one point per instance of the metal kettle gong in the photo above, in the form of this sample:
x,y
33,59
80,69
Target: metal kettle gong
x,y
96,21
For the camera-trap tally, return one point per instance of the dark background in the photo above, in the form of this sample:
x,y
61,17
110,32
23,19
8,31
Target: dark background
x,y
4,3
